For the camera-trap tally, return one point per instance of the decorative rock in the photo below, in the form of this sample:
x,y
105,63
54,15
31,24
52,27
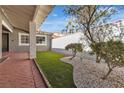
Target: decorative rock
x,y
87,74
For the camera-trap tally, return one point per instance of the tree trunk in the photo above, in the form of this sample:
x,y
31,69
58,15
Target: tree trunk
x,y
73,55
110,70
98,58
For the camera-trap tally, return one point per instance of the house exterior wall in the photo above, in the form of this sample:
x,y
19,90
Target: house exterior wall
x,y
45,47
15,47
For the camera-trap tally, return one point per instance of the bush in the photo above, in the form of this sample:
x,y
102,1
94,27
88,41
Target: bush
x,y
112,52
74,47
96,49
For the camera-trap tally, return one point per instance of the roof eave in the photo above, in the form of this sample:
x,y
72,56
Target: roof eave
x,y
41,13
5,21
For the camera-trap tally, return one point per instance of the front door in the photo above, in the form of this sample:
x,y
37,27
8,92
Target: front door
x,y
5,42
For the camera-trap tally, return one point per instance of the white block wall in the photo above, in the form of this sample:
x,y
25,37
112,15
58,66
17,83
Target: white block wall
x,y
75,38
71,38
63,41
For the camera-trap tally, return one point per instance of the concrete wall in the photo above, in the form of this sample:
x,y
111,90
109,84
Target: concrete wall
x,y
14,43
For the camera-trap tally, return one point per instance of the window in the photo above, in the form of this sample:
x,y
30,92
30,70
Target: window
x,y
41,40
24,39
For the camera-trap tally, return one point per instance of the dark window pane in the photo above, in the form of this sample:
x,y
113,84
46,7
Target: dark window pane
x,y
40,39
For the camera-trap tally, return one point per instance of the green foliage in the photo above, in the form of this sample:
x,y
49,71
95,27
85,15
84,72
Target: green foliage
x,y
71,27
90,16
96,47
112,52
59,74
75,47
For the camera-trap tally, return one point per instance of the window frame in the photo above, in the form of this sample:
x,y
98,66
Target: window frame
x,y
20,43
24,44
42,43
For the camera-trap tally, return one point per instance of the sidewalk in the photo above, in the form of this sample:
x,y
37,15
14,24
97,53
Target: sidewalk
x,y
20,72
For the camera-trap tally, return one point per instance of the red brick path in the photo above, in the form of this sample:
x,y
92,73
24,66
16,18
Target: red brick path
x,y
19,72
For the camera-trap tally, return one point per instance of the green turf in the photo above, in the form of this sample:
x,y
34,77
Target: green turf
x,y
58,73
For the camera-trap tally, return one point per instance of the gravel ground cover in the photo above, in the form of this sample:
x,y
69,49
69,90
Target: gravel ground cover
x,y
87,74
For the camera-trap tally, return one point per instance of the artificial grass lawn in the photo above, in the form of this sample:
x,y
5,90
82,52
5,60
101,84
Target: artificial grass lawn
x,y
59,74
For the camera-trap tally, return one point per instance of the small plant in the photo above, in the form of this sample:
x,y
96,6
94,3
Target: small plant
x,y
112,52
74,47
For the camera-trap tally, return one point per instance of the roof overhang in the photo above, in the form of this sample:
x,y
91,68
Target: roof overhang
x,y
19,16
5,22
41,13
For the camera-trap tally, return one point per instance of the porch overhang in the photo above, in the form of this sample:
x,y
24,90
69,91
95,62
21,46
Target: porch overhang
x,y
41,13
5,21
19,16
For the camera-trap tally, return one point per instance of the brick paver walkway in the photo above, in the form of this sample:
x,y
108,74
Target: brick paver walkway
x,y
19,72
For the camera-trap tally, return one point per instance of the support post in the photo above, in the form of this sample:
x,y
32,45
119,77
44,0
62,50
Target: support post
x,y
32,37
0,35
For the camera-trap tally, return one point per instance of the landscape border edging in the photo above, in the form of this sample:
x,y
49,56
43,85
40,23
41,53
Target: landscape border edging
x,y
5,60
72,66
42,74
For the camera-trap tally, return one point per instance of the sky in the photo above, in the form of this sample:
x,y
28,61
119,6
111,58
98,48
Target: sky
x,y
57,19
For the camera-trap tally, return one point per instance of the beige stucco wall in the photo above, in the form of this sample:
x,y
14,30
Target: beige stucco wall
x,y
14,43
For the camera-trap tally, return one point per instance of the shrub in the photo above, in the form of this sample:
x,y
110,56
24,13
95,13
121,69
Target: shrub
x,y
112,52
74,47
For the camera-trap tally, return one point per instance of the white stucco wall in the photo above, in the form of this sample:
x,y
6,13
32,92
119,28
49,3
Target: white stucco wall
x,y
75,38
65,40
